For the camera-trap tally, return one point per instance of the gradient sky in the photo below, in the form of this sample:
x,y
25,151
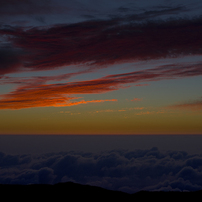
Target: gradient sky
x,y
100,67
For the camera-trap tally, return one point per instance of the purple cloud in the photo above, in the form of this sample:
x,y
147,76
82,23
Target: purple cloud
x,y
100,43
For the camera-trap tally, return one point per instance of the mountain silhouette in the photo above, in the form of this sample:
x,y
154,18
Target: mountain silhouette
x,y
73,191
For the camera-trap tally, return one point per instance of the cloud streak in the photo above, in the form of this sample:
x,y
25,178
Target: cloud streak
x,y
192,105
59,94
47,100
39,80
136,99
118,110
86,102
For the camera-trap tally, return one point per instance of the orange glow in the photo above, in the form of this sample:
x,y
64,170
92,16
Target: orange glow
x,y
48,101
86,102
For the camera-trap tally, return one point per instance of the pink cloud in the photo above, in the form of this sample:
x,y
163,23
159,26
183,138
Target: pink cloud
x,y
136,99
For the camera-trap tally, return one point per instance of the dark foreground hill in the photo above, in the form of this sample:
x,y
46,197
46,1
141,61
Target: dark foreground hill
x,y
72,191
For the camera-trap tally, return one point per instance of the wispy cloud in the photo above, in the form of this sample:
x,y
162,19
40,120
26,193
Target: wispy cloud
x,y
136,99
195,105
39,80
118,110
58,94
90,101
142,85
151,112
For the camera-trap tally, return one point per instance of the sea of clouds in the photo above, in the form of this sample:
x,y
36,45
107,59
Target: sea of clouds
x,y
123,170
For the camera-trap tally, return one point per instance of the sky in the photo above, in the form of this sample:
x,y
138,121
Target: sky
x,y
107,67
111,67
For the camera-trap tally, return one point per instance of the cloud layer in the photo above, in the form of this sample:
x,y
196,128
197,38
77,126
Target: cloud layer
x,y
93,44
124,170
98,43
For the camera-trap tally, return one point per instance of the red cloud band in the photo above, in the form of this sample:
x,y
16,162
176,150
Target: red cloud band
x,y
56,94
98,43
18,102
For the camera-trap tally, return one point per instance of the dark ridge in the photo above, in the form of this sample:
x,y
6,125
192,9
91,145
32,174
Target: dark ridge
x,y
71,191
63,191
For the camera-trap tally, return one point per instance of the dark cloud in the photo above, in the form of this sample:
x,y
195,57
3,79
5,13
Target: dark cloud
x,y
124,170
104,42
9,60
